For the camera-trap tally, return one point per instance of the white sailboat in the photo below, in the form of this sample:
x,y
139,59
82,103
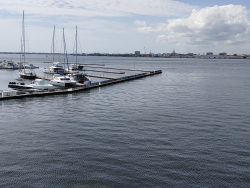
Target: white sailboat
x,y
73,70
26,74
63,80
56,68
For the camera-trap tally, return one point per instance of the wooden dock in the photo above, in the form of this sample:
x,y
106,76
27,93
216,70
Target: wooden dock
x,y
80,87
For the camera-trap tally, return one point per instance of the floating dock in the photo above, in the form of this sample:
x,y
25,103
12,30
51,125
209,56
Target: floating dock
x,y
5,95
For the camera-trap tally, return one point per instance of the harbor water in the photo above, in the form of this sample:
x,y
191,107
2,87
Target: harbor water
x,y
186,127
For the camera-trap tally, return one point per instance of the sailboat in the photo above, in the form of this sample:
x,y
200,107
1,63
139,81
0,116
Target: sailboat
x,y
73,70
63,80
24,73
56,68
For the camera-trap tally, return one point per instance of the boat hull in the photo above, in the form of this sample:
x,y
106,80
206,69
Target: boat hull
x,y
31,77
63,84
27,75
47,86
19,86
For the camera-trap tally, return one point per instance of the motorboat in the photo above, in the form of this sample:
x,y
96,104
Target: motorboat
x,y
39,84
63,81
55,69
19,85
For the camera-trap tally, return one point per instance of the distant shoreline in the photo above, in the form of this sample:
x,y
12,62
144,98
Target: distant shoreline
x,y
176,55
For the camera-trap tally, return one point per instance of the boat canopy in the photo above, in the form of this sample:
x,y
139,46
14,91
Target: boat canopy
x,y
56,63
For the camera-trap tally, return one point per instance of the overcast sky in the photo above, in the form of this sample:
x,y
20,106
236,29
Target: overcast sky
x,y
119,26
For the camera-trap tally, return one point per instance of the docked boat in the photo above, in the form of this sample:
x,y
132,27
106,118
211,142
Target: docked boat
x,y
74,69
80,78
19,85
39,84
55,69
63,81
75,66
8,65
26,74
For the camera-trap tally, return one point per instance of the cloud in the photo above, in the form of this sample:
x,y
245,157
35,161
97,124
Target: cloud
x,y
95,8
140,23
218,25
150,29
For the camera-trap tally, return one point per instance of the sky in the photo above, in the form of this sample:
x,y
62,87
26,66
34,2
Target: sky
x,y
119,26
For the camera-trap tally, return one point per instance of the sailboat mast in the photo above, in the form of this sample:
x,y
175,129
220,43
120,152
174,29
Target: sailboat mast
x,y
76,45
53,44
21,56
23,40
65,51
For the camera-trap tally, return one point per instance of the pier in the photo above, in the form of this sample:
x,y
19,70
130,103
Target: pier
x,y
6,95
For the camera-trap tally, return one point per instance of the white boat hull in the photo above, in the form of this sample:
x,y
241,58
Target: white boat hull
x,y
63,84
46,86
39,84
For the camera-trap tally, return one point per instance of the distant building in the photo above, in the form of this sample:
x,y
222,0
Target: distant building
x,y
224,54
210,53
137,52
173,53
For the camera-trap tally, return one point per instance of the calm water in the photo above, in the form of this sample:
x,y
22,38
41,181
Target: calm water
x,y
187,127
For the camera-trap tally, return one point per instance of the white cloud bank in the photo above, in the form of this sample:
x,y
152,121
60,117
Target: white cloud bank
x,y
90,8
214,26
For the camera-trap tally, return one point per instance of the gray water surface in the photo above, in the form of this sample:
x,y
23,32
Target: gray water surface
x,y
186,127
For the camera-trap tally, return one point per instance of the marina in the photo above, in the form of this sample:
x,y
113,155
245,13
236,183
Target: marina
x,y
5,95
